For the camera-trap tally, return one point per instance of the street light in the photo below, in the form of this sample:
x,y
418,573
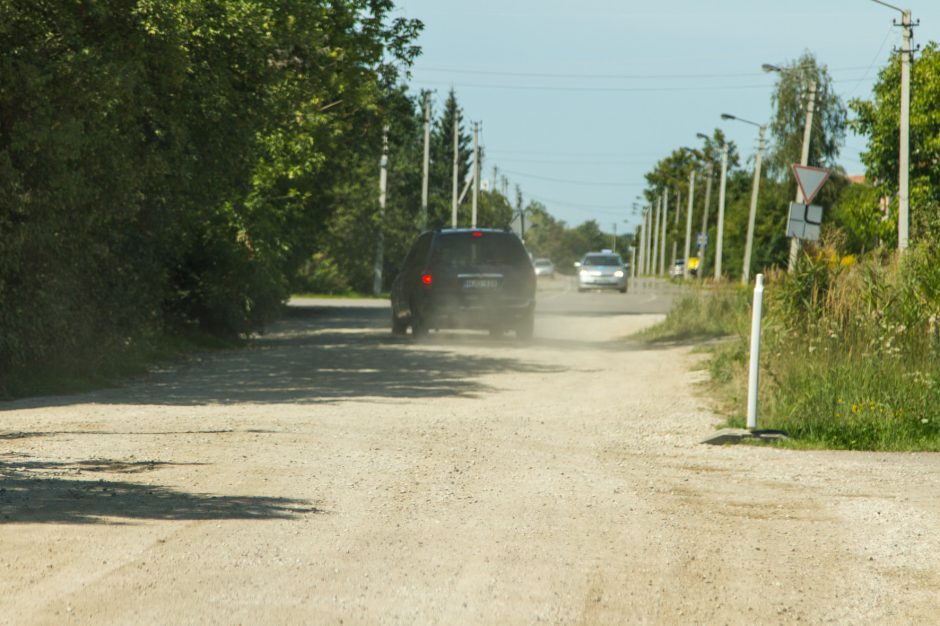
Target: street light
x,y
804,152
709,166
746,267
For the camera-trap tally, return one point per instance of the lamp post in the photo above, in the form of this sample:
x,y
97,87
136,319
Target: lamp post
x,y
688,225
761,129
709,166
721,211
804,152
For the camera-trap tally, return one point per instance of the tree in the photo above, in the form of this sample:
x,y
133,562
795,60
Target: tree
x,y
878,118
789,118
167,165
442,160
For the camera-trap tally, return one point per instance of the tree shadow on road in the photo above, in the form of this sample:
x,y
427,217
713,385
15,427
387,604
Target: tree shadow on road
x,y
46,491
314,356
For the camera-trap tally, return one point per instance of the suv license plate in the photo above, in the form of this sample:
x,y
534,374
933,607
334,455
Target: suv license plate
x,y
480,283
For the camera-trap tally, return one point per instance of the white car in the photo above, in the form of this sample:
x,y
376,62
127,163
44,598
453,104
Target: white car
x,y
602,270
544,267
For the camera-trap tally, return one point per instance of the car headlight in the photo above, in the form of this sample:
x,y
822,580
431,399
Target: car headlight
x,y
618,274
584,273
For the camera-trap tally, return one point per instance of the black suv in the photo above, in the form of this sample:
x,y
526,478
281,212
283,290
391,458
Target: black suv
x,y
465,278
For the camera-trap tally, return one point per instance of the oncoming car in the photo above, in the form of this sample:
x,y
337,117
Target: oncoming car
x,y
544,267
602,270
465,278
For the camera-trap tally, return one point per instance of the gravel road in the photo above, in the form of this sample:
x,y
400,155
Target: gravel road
x,y
333,473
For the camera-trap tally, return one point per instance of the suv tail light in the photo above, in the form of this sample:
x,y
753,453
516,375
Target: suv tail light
x,y
426,279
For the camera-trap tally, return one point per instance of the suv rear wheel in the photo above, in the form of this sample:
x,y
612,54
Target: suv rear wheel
x,y
526,327
398,326
419,327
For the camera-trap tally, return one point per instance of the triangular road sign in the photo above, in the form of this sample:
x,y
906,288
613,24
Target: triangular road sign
x,y
810,180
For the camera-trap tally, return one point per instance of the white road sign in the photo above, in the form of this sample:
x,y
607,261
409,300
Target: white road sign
x,y
810,180
804,221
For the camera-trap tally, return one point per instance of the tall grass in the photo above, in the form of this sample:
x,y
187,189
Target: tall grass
x,y
852,357
850,349
704,313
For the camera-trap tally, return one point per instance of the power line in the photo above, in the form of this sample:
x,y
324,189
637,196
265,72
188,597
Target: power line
x,y
569,162
606,76
607,89
595,89
589,154
609,209
573,182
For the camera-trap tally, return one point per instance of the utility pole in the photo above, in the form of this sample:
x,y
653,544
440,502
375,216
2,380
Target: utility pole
x,y
795,243
613,239
454,201
675,240
748,245
521,213
688,226
708,201
904,154
662,247
476,172
905,132
427,161
380,239
655,235
642,241
648,251
721,210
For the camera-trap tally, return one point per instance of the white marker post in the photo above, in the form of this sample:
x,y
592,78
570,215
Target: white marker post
x,y
755,353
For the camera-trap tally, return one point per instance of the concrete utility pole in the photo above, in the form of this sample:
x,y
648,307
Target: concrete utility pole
x,y
380,239
708,201
454,200
905,132
675,241
642,240
633,261
655,235
755,187
427,162
613,239
662,247
904,154
795,243
647,260
688,226
476,172
721,211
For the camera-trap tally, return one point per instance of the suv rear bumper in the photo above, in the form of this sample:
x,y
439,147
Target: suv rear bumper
x,y
444,311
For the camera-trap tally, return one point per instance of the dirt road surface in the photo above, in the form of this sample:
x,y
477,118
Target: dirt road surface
x,y
332,473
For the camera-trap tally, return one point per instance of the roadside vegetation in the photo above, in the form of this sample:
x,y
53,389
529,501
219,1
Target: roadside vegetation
x,y
850,355
170,172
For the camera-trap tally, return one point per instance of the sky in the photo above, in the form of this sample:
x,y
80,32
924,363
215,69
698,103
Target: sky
x,y
579,99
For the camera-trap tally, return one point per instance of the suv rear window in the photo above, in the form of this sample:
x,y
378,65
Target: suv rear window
x,y
463,249
603,260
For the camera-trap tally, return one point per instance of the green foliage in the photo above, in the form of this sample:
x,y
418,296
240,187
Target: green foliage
x,y
878,119
553,239
165,165
858,213
789,120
